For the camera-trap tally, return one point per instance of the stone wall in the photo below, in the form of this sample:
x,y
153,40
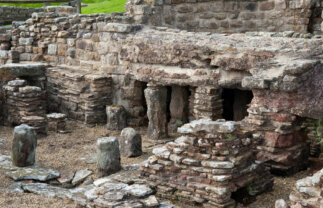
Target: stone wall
x,y
133,56
230,16
8,14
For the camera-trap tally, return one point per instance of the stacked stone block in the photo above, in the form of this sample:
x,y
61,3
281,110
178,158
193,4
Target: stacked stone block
x,y
56,122
210,161
282,143
78,94
308,192
8,14
25,105
7,56
206,102
230,16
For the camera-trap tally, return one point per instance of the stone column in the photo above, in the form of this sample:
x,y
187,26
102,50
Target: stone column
x,y
207,103
116,117
156,111
24,146
178,108
108,156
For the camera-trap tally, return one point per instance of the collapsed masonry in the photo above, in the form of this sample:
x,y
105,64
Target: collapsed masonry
x,y
268,81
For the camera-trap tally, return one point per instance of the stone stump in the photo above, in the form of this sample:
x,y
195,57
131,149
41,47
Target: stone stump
x,y
116,117
24,146
130,143
108,156
56,122
178,108
156,111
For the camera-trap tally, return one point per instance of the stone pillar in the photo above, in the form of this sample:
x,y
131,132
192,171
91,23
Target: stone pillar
x,y
116,117
108,156
56,122
178,108
130,143
206,103
24,146
156,111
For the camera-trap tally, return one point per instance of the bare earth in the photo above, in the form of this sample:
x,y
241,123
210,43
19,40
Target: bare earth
x,y
74,151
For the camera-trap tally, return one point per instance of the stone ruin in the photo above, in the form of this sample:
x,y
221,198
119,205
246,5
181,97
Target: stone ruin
x,y
165,64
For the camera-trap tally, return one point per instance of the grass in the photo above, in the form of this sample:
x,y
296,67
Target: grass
x,y
94,6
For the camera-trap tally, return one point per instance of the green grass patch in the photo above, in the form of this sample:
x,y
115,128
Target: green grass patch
x,y
94,6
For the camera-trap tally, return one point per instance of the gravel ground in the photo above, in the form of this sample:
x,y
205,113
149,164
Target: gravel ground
x,y
73,151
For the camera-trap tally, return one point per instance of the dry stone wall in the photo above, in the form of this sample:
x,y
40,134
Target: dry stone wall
x,y
230,16
8,14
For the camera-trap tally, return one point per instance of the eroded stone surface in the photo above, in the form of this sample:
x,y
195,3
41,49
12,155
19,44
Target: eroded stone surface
x,y
108,156
24,146
130,143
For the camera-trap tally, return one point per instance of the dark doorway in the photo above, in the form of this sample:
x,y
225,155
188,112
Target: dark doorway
x,y
235,103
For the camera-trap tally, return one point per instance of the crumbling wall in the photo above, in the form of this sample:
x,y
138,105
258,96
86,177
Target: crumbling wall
x,y
8,14
206,164
229,16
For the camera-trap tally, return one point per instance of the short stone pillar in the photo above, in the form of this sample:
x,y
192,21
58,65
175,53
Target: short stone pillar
x,y
108,156
130,143
156,111
24,146
56,122
178,108
116,117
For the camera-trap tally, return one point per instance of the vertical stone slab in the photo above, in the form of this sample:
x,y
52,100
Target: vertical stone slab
x,y
178,108
108,156
156,111
24,146
130,143
116,117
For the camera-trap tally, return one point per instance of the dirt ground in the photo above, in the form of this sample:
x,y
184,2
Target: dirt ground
x,y
73,151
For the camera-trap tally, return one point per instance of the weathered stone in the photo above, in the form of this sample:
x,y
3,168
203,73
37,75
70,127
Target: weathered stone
x,y
281,203
24,146
130,143
32,173
108,156
156,104
116,117
80,176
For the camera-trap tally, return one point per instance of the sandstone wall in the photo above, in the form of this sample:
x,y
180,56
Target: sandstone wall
x,y
229,16
8,14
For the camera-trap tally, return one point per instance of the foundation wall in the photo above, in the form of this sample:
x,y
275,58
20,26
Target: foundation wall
x,y
230,16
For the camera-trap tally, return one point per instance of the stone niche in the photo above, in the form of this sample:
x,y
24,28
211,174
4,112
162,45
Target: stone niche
x,y
207,164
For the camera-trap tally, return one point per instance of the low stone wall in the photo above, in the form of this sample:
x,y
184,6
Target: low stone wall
x,y
8,14
230,16
207,164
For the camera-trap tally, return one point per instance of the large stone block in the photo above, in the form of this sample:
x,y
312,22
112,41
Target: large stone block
x,y
108,156
24,146
130,143
116,117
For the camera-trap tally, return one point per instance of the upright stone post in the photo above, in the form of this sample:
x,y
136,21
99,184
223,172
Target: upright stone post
x,y
178,108
130,143
116,117
108,156
156,111
24,146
